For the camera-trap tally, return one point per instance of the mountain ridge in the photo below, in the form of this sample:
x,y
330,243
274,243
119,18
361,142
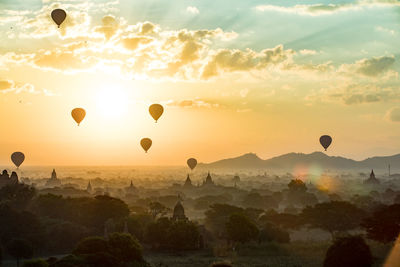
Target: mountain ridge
x,y
291,160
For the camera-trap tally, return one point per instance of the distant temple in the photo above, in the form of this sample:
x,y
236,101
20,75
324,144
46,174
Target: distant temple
x,y
89,188
131,189
208,181
372,179
179,212
8,180
188,182
53,181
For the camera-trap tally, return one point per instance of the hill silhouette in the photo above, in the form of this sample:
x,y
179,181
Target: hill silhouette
x,y
291,160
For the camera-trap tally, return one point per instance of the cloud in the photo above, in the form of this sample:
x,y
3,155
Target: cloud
x,y
237,60
327,9
196,103
192,10
134,42
375,66
357,93
7,86
109,27
371,67
393,114
308,52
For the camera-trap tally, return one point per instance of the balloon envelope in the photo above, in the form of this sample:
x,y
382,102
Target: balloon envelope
x,y
78,114
17,158
192,163
156,110
58,15
325,141
146,143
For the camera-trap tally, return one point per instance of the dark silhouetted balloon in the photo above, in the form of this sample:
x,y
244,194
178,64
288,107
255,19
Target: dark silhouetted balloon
x,y
58,15
146,143
325,141
192,163
78,114
17,158
156,110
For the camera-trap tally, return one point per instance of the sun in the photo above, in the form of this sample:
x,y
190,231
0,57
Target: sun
x,y
112,102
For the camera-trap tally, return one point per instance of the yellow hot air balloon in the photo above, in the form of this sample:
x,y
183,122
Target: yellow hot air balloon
x,y
78,114
17,158
156,110
58,15
192,163
146,143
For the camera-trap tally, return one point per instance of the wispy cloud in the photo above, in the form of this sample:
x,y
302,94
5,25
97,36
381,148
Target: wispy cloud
x,y
327,9
393,114
193,10
8,86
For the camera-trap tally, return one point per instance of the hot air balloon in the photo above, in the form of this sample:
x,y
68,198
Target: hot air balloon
x,y
156,110
17,158
192,163
325,141
58,15
146,143
78,114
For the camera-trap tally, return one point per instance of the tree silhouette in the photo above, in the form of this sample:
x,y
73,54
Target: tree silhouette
x,y
18,196
348,252
91,245
218,215
35,263
384,224
333,216
270,232
241,229
125,248
156,208
20,249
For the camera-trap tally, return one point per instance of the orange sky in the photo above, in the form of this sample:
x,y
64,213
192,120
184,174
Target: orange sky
x,y
225,91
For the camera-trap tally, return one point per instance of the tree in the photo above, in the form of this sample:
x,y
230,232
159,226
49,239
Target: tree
x,y
272,233
19,224
125,248
35,263
50,205
120,250
221,264
384,224
106,207
157,233
217,217
87,211
333,216
254,200
156,208
18,196
91,245
62,236
240,229
20,249
348,252
183,235
284,220
70,261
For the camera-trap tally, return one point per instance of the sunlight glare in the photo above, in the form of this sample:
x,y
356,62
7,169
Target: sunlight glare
x,y
112,102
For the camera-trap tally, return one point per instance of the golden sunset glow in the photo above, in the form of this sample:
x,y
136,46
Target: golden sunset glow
x,y
221,86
